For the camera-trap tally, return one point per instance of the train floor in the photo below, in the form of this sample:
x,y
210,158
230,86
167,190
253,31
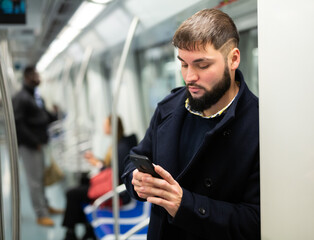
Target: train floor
x,y
30,230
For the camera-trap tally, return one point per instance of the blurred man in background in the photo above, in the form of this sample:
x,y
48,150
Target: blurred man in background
x,y
32,120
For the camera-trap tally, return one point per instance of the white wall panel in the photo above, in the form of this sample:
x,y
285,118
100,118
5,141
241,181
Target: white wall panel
x,y
286,86
98,108
129,105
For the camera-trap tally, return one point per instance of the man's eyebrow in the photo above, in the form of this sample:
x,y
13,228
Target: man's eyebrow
x,y
197,60
203,60
180,58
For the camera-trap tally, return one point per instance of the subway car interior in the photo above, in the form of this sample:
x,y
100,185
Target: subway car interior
x,y
100,58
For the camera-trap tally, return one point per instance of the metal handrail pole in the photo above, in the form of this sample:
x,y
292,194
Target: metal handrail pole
x,y
97,203
1,195
78,87
12,144
114,162
65,79
135,229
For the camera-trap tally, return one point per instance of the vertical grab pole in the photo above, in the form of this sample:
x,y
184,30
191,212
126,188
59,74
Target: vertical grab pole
x,y
79,83
65,80
12,143
114,122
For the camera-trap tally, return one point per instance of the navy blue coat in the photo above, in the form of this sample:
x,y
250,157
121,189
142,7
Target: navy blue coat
x,y
221,186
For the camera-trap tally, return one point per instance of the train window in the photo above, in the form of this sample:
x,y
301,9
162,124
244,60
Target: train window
x,y
157,72
249,58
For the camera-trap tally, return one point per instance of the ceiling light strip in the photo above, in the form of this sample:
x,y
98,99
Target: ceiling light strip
x,y
80,20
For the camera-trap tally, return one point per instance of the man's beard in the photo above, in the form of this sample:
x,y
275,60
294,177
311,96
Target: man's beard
x,y
210,97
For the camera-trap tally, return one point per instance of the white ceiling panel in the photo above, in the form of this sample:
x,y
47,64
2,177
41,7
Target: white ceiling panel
x,y
92,39
153,12
114,27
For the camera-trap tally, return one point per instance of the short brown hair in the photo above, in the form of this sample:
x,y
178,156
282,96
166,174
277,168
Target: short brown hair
x,y
206,26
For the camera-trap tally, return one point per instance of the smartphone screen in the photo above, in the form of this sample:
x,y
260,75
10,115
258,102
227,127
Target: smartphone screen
x,y
143,164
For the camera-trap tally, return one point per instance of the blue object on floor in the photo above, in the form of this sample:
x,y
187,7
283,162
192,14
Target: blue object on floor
x,y
131,214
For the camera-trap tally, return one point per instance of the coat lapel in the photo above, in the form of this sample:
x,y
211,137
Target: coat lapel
x,y
168,135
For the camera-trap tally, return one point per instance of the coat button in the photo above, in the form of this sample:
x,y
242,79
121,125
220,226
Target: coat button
x,y
208,182
202,211
226,133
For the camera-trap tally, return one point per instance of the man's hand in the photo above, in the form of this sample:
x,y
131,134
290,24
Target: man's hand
x,y
165,192
89,156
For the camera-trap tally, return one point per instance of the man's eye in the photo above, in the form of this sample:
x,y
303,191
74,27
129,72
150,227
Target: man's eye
x,y
184,65
203,66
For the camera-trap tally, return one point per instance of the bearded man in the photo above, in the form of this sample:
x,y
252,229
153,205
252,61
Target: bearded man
x,y
204,142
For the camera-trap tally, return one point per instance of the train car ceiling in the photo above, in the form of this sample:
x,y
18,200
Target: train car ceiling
x,y
44,20
158,21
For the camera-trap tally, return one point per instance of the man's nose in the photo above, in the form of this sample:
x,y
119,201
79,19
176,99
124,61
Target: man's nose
x,y
191,75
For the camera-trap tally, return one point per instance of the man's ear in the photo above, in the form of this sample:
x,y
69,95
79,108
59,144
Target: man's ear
x,y
234,57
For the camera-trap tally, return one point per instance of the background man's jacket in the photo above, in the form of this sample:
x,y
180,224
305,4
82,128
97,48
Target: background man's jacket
x,y
31,120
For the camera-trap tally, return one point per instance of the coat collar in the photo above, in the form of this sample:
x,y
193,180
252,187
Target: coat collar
x,y
231,112
173,103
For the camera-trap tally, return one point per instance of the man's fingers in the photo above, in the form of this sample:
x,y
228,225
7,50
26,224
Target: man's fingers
x,y
164,174
165,192
170,206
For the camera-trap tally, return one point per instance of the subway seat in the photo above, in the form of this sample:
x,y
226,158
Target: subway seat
x,y
133,215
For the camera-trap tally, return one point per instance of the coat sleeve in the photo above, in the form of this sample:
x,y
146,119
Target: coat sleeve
x,y
213,219
124,147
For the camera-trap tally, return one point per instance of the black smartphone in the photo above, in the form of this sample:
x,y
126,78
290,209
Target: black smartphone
x,y
143,164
